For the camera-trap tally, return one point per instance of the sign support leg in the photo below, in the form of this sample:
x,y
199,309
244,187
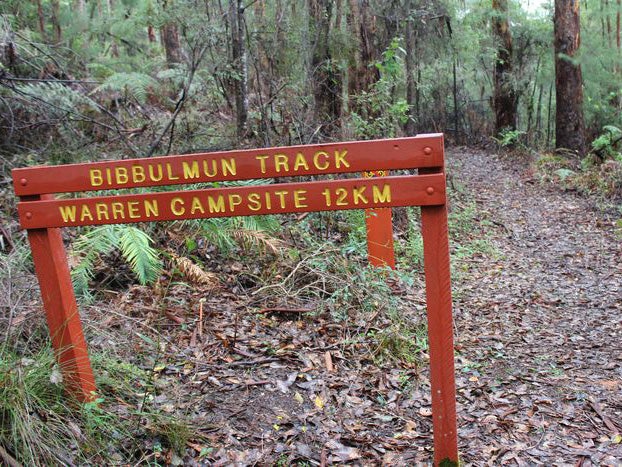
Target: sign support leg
x,y
59,301
379,223
440,332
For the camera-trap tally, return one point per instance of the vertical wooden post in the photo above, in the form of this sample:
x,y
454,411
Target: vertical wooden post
x,y
379,223
440,332
61,309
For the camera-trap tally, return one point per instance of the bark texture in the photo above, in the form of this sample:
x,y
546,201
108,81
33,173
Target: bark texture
x,y
325,75
505,97
569,122
169,35
240,65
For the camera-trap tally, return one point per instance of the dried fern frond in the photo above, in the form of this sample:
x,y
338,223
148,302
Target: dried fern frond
x,y
258,238
193,272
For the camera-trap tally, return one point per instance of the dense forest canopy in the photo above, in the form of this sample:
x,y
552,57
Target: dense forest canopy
x,y
144,77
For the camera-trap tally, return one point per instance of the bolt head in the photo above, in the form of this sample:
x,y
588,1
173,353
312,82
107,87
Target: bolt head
x,y
427,150
29,215
429,190
23,182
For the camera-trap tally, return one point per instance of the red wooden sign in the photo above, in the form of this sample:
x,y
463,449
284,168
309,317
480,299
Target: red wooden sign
x,y
42,215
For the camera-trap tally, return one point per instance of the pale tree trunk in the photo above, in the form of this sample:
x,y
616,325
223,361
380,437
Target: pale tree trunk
x,y
569,123
411,69
363,74
41,22
240,65
55,19
325,77
169,35
505,98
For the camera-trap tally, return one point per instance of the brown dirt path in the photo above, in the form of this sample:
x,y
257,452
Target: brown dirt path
x,y
539,326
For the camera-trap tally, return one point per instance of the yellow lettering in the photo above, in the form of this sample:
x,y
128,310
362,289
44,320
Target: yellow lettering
x,y
340,158
254,202
262,161
196,206
281,161
151,208
382,197
132,209
101,211
118,210
96,177
68,213
234,200
177,206
86,212
109,176
216,206
120,174
316,160
358,195
153,176
341,193
190,170
281,194
228,166
138,173
169,170
299,198
206,169
300,162
327,197
268,201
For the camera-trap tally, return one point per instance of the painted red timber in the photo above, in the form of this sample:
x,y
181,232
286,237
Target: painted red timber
x,y
379,225
440,331
61,309
389,154
406,190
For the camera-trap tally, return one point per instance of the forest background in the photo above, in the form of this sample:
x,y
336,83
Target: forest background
x,y
86,80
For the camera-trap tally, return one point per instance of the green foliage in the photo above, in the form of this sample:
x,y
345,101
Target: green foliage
x,y
136,85
508,138
605,145
55,99
134,245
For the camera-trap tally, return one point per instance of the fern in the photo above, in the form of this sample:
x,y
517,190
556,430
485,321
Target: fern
x,y
258,231
57,98
135,84
137,251
96,242
134,245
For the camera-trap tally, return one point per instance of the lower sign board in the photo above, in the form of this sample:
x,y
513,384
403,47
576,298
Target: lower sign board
x,y
281,198
42,214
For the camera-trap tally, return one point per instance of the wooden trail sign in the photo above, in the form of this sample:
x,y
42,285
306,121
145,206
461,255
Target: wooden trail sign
x,y
42,214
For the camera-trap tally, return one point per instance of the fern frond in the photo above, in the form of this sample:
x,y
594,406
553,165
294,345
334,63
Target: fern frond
x,y
135,246
88,248
258,238
193,272
135,84
59,98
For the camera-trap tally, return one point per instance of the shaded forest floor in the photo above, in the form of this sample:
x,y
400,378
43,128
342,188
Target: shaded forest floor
x,y
272,378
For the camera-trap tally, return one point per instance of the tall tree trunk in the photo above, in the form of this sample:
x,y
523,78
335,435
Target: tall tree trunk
x,y
362,74
505,98
411,65
55,18
41,18
240,65
569,123
169,35
325,76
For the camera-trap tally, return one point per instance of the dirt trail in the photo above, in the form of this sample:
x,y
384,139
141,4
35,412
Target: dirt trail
x,y
538,312
539,326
